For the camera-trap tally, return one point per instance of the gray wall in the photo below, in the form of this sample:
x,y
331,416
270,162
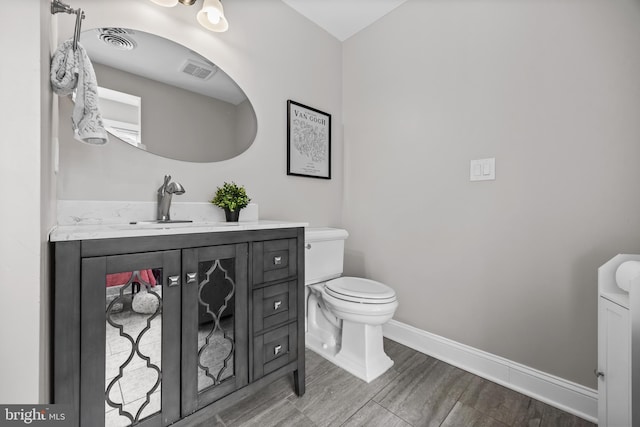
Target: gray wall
x,y
302,63
551,90
28,208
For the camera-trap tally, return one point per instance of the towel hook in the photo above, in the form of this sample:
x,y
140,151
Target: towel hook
x,y
76,34
57,6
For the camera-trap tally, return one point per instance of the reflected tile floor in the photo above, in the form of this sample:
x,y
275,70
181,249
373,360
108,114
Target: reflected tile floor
x,y
137,379
417,391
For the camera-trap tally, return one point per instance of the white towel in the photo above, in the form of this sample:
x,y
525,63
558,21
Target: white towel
x,y
73,70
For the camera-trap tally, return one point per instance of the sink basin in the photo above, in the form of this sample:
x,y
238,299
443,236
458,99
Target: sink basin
x,y
161,221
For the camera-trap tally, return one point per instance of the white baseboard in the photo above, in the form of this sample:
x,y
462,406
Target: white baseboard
x,y
555,391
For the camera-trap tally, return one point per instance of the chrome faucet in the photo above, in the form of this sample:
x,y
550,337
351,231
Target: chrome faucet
x,y
165,193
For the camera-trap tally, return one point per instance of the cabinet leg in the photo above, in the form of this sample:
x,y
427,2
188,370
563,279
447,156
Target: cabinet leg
x,y
298,382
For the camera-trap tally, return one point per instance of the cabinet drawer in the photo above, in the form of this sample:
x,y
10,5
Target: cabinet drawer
x,y
274,260
274,349
274,304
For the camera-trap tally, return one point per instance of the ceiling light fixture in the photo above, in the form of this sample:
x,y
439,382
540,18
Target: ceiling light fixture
x,y
211,16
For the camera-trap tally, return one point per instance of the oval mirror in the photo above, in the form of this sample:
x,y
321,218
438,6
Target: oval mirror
x,y
162,97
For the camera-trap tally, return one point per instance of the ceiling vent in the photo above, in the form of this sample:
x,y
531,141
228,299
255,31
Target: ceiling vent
x,y
117,38
199,70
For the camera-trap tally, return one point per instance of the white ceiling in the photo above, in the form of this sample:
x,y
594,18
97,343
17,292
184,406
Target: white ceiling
x,y
343,18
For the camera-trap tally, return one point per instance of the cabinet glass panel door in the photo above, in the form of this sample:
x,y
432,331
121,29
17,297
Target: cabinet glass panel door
x,y
216,326
214,301
139,296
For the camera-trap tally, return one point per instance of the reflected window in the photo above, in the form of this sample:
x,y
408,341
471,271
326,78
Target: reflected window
x,y
122,115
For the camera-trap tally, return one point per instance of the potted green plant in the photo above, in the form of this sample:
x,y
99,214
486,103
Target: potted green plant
x,y
232,198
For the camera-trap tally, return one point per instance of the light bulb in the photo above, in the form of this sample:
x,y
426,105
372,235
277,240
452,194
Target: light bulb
x,y
214,16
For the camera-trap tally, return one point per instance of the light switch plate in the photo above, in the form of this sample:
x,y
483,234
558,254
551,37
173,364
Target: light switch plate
x,y
482,169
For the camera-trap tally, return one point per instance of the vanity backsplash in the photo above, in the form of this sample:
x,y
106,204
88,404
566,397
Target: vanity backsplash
x,y
96,212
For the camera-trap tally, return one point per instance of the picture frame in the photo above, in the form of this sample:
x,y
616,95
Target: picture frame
x,y
308,141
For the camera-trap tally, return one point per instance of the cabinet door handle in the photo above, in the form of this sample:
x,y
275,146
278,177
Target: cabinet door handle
x,y
277,304
277,260
277,349
173,281
598,374
191,277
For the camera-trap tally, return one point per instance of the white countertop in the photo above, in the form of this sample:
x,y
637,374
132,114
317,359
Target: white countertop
x,y
62,233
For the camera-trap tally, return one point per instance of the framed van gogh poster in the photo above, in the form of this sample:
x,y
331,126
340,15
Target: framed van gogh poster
x,y
308,141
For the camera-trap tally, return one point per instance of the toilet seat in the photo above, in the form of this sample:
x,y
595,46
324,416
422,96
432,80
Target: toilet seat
x,y
358,290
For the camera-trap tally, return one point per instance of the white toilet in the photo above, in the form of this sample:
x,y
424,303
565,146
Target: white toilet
x,y
344,314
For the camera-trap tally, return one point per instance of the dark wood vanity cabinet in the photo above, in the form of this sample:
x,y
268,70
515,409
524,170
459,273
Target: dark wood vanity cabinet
x,y
275,308
158,330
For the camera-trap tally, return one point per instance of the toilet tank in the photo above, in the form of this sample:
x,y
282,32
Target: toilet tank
x,y
323,254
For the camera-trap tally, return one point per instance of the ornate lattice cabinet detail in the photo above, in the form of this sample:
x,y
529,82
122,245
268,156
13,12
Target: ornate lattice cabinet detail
x,y
160,330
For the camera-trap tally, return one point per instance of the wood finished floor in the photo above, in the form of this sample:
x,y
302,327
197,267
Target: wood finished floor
x,y
417,391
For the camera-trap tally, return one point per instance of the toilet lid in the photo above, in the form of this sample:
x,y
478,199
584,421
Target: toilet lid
x,y
360,290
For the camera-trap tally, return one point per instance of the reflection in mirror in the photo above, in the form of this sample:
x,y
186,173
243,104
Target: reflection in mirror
x,y
190,109
133,368
216,301
121,115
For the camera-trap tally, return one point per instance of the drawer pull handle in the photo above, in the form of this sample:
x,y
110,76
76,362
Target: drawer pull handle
x,y
277,260
308,246
173,281
191,277
598,374
277,349
277,304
